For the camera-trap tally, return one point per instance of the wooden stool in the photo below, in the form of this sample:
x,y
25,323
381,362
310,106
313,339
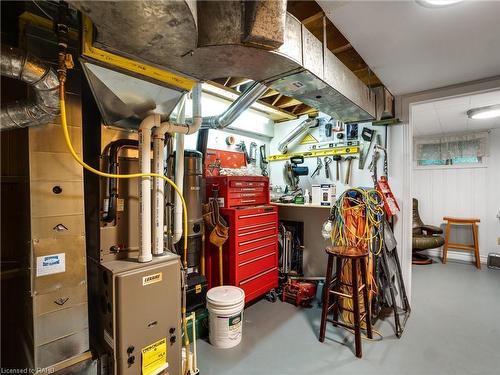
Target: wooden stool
x,y
460,246
332,292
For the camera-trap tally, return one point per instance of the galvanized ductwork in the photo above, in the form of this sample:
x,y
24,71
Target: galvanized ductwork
x,y
255,40
17,64
243,102
300,129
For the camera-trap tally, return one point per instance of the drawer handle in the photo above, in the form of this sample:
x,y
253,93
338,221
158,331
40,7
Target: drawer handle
x,y
256,231
257,276
256,240
255,248
248,189
255,215
247,200
256,259
257,225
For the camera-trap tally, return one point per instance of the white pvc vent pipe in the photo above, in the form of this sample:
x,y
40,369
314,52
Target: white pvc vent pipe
x,y
145,187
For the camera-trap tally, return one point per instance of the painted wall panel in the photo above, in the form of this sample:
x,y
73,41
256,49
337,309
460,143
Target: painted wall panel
x,y
463,192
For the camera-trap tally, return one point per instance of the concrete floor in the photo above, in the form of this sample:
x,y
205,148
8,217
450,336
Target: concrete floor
x,y
454,328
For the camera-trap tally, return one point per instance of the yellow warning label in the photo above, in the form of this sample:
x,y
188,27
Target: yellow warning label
x,y
154,358
308,139
197,288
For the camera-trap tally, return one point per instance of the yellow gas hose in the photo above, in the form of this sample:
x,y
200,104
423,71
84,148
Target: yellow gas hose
x,y
67,138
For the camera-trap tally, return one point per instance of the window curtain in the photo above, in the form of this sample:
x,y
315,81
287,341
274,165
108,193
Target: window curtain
x,y
452,149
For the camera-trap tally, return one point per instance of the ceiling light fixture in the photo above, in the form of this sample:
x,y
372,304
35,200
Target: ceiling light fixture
x,y
437,3
482,113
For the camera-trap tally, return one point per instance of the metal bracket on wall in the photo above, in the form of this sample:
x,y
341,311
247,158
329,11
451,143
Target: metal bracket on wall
x,y
316,153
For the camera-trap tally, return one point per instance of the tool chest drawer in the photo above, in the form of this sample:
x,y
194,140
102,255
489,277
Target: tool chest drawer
x,y
255,266
237,191
259,284
251,251
256,251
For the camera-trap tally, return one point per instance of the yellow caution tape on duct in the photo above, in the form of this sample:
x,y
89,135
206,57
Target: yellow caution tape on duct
x,y
127,64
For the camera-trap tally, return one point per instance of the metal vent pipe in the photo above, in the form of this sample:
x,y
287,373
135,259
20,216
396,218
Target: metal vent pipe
x,y
17,64
243,102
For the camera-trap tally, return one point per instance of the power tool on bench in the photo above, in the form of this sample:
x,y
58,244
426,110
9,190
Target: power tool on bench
x,y
293,170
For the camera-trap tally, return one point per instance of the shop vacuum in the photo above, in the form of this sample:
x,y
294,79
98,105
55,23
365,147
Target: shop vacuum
x,y
196,282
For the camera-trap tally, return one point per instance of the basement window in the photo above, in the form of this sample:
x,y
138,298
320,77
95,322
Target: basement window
x,y
456,150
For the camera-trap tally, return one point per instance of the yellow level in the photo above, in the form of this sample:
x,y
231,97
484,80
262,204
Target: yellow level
x,y
316,153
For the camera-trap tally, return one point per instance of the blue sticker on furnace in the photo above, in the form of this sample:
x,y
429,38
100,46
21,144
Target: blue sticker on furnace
x,y
51,261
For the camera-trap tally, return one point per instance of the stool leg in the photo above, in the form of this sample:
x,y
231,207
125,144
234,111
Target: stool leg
x,y
326,298
368,316
336,287
446,240
355,302
476,246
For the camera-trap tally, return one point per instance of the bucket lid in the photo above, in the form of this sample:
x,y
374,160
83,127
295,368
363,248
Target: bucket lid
x,y
225,295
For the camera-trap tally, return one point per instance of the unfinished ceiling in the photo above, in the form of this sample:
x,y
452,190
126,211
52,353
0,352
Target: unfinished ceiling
x,y
414,48
310,14
250,40
450,115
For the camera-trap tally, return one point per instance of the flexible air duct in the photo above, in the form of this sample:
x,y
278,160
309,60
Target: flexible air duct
x,y
17,64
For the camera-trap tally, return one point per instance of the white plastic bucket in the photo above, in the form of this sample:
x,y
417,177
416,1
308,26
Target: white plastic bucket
x,y
225,307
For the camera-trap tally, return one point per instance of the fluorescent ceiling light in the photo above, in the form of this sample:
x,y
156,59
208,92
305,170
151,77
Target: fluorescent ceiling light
x,y
490,111
437,3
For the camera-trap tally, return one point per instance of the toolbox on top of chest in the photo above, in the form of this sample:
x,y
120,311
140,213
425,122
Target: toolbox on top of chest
x,y
237,191
251,252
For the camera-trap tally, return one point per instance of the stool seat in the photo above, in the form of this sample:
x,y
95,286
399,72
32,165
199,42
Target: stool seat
x,y
346,251
461,220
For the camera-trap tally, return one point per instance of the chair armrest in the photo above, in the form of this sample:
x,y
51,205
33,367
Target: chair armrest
x,y
431,229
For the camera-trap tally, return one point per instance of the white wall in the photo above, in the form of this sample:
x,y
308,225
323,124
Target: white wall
x,y
358,177
252,125
463,192
313,218
400,169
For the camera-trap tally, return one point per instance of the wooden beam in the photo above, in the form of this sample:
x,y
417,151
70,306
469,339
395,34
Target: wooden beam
x,y
314,18
305,111
276,100
286,101
269,93
342,49
235,82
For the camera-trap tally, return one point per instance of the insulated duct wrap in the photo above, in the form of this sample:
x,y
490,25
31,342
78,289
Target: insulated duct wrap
x,y
17,64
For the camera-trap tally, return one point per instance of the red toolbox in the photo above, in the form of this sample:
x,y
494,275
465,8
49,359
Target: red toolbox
x,y
237,191
250,255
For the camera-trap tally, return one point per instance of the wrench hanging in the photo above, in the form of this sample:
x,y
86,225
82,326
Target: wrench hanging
x,y
327,161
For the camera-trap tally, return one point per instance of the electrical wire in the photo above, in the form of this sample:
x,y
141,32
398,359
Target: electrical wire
x,y
357,221
69,144
67,138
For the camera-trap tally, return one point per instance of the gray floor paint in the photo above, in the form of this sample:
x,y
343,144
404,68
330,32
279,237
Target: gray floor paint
x,y
454,329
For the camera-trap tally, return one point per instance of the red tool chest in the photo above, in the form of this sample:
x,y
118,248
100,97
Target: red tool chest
x,y
237,191
250,255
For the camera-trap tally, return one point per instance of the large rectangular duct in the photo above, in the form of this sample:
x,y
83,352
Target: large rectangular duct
x,y
255,40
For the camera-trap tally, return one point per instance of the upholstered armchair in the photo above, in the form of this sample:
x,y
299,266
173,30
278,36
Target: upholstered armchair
x,y
424,237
